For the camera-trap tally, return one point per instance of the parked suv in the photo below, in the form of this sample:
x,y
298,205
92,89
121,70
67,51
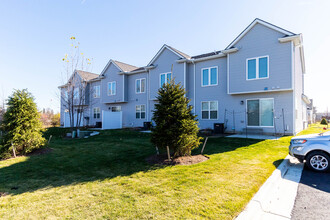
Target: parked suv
x,y
314,148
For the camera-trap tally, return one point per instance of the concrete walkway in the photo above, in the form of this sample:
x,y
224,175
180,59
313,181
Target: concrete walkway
x,y
275,199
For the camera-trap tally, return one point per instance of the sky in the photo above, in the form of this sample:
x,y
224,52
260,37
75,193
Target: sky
x,y
35,36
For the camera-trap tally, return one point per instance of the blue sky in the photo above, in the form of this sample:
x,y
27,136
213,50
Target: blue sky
x,y
35,35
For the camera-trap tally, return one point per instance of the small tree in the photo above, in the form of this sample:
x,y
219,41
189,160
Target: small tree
x,y
73,93
21,123
55,120
176,127
324,121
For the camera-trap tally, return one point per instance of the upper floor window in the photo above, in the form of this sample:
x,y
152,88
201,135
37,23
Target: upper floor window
x,y
97,92
140,111
260,112
210,110
140,85
112,88
257,68
165,78
96,112
76,93
210,76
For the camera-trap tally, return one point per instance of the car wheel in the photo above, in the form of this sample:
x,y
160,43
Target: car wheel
x,y
318,161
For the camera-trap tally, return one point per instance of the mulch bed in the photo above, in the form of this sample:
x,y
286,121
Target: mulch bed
x,y
40,151
186,160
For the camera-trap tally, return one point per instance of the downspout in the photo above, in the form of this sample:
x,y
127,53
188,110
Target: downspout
x,y
194,86
148,104
184,75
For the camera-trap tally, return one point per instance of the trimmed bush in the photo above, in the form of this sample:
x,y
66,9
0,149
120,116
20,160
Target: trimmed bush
x,y
324,121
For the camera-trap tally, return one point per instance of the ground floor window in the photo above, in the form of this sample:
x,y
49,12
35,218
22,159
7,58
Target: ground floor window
x,y
116,108
140,111
260,112
97,112
210,110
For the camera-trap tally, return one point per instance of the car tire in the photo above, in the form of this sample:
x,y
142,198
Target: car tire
x,y
318,161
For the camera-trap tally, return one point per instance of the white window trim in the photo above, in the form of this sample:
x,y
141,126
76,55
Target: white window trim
x,y
260,126
257,67
136,92
98,95
209,83
111,88
160,78
209,110
145,111
98,112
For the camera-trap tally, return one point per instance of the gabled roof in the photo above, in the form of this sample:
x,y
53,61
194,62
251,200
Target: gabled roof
x,y
87,75
123,67
175,51
262,22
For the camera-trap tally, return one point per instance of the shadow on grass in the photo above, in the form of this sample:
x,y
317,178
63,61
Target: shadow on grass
x,y
109,155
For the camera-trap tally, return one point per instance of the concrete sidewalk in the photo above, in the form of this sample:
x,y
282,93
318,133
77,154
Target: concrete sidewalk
x,y
275,199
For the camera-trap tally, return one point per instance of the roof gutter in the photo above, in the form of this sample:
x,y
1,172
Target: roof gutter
x,y
306,99
219,55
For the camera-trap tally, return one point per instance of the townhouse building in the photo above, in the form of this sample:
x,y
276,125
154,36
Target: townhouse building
x,y
255,83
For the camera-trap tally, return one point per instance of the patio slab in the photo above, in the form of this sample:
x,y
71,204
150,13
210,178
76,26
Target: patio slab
x,y
254,136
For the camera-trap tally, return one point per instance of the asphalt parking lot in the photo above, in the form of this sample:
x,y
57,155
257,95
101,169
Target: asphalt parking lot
x,y
313,196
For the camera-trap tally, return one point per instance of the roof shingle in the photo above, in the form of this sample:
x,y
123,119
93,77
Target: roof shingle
x,y
124,66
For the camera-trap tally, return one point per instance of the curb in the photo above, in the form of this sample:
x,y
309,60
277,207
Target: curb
x,y
276,197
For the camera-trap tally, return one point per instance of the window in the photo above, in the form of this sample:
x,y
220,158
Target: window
x,y
97,92
140,86
260,112
210,76
116,108
257,68
210,110
165,78
112,88
76,93
140,111
97,112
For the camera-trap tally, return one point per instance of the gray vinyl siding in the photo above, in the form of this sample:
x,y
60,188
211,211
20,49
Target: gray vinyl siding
x,y
261,41
129,117
230,110
164,64
110,75
95,103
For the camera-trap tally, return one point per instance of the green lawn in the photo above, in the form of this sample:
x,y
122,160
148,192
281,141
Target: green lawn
x,y
106,176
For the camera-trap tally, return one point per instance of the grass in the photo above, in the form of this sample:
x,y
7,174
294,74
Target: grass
x,y
106,176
